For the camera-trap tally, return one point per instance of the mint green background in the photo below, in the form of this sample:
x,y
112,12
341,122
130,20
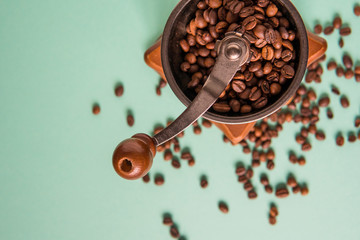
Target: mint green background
x,y
58,58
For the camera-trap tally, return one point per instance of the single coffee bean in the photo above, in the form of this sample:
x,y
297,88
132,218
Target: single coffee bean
x,y
204,183
270,165
349,74
146,178
213,18
288,71
351,137
235,105
268,52
270,36
255,94
328,30
301,161
331,65
222,107
119,91
249,23
319,135
329,114
259,31
304,190
246,11
282,192
344,102
291,181
268,189
324,101
318,29
264,180
174,232
242,179
337,22
130,120
275,88
348,63
260,103
265,87
341,43
286,55
223,207
357,70
340,71
252,194
236,7
168,155
345,31
159,180
206,123
263,3
271,10
167,221
191,162
248,186
215,3
175,163
357,10
238,86
292,158
296,189
96,109
340,140
357,122
274,211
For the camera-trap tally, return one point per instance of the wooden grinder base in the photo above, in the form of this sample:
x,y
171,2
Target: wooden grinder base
x,y
235,132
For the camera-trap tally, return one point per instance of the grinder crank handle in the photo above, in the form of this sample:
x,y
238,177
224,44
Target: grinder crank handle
x,y
133,157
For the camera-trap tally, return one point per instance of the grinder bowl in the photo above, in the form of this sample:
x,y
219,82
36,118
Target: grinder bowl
x,y
172,57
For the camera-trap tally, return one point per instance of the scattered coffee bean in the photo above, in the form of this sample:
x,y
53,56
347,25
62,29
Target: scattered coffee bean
x,y
328,30
357,10
191,162
223,207
351,137
335,90
206,123
167,221
341,43
345,31
119,91
252,194
324,101
296,189
340,72
268,189
301,161
270,165
330,113
304,190
318,29
96,109
340,140
159,180
273,211
204,183
357,122
291,181
319,135
331,65
348,62
337,22
282,192
174,232
130,120
344,102
146,178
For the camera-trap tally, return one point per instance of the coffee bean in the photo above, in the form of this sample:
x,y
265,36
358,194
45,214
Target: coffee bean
x,y
357,122
246,11
319,135
273,211
344,102
252,194
215,3
296,189
268,52
288,71
337,22
168,155
304,190
328,30
206,123
349,74
264,180
259,31
96,109
324,101
248,186
301,161
236,7
286,55
235,105
348,63
249,23
204,183
223,207
260,103
275,88
341,43
291,181
351,137
357,10
263,3
240,170
331,65
191,162
292,158
270,165
306,147
282,192
268,189
146,178
318,29
130,120
340,140
340,71
159,180
222,107
174,232
167,221
271,10
345,31
255,94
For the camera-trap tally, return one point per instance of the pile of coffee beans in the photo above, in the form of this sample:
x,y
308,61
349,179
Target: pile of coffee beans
x,y
271,37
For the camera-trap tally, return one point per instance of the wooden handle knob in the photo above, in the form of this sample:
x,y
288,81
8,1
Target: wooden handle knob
x,y
133,157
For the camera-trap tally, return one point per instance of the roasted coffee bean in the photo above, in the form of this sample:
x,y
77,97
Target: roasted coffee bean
x,y
130,120
248,186
271,10
254,66
167,221
349,74
268,189
337,22
267,68
259,31
238,86
288,71
324,101
206,123
270,36
119,91
249,23
235,105
255,94
265,87
328,30
264,180
340,140
236,7
168,155
263,3
291,181
215,3
222,107
270,165
268,52
96,109
223,207
175,163
344,102
341,43
301,161
146,178
292,158
340,71
329,114
318,29
274,211
174,232
246,12
252,194
304,190
345,31
242,179
159,180
357,10
348,63
357,122
282,192
260,103
221,27
204,183
331,65
213,17
351,137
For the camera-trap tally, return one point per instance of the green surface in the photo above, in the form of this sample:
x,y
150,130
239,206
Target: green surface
x,y
58,58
